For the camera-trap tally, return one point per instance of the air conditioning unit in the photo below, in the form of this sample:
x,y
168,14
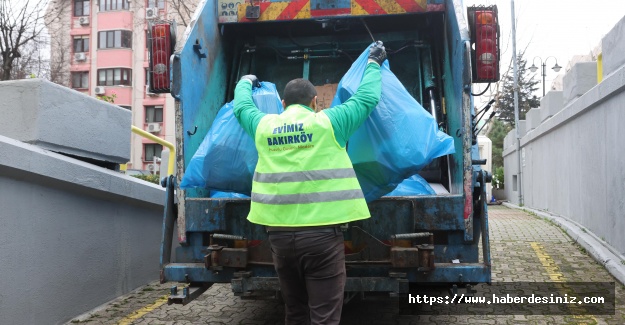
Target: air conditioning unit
x,y
80,56
100,90
151,167
151,13
148,92
84,20
154,127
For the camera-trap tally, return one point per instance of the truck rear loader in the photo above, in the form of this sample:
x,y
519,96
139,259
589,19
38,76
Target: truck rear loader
x,y
437,49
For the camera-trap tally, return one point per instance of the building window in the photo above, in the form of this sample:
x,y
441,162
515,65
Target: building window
x,y
114,77
81,44
107,5
115,39
80,80
126,107
153,114
81,7
151,150
156,3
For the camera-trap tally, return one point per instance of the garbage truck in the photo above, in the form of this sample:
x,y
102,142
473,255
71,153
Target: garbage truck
x,y
438,49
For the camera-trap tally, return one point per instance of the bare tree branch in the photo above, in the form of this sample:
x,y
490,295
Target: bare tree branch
x,y
184,10
18,29
58,22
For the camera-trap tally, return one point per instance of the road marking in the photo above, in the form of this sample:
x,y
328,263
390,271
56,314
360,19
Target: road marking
x,y
548,263
143,311
554,273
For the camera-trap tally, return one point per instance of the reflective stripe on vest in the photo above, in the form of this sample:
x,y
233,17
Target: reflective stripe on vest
x,y
309,175
307,197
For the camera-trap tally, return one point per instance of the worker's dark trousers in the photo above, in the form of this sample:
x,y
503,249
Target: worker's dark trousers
x,y
311,270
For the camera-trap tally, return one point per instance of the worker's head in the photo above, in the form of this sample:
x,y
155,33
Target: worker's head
x,y
300,91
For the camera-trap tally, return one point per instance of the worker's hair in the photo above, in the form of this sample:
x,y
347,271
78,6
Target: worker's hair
x,y
299,91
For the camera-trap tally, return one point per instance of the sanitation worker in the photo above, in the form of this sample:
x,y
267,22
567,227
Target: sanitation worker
x,y
304,187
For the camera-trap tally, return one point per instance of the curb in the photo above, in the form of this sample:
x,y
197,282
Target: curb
x,y
601,251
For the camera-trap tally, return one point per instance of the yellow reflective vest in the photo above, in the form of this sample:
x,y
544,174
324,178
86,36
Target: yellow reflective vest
x,y
303,176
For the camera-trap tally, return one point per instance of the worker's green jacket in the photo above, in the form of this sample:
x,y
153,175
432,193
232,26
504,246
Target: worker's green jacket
x,y
304,176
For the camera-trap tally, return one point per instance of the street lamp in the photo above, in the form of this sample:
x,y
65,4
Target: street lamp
x,y
555,68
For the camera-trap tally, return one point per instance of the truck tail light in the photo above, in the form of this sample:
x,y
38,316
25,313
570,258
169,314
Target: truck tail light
x,y
484,29
161,45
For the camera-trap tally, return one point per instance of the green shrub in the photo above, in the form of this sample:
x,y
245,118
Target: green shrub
x,y
152,178
498,178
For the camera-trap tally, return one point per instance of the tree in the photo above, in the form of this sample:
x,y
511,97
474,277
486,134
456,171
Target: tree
x,y
20,28
497,131
32,62
184,10
505,96
58,21
498,178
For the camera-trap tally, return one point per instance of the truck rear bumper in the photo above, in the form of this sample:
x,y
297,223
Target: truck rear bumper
x,y
396,282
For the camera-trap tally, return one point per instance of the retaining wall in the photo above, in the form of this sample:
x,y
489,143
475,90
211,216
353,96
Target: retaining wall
x,y
72,235
572,159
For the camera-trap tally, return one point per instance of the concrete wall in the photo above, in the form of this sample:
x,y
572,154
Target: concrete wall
x,y
50,116
511,167
572,162
613,47
511,164
72,236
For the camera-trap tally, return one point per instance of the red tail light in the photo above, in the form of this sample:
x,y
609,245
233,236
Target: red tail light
x,y
484,28
161,48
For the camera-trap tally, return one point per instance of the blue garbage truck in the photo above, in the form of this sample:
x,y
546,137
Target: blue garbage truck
x,y
438,49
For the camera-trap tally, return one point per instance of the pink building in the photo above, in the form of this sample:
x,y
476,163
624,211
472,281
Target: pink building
x,y
102,45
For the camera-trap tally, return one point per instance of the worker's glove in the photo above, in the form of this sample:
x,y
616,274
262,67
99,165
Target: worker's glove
x,y
377,53
252,79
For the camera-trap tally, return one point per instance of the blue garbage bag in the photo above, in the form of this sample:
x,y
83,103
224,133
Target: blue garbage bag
x,y
226,158
397,140
414,185
227,195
